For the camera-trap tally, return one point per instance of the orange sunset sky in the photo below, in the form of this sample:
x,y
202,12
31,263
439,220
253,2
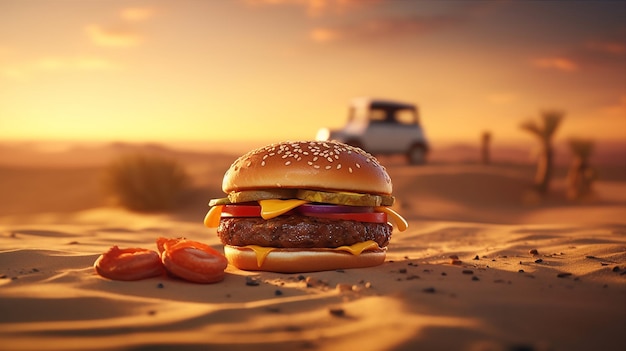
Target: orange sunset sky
x,y
192,70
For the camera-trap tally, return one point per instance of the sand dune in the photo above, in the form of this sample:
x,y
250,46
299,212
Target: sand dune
x,y
498,294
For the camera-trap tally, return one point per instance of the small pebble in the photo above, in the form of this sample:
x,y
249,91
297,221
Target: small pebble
x,y
430,290
312,282
278,292
476,258
533,252
160,286
444,273
402,270
467,271
453,257
616,269
475,278
521,271
337,312
539,261
563,275
456,262
252,281
343,287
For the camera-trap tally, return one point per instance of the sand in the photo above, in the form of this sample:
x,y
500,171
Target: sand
x,y
484,265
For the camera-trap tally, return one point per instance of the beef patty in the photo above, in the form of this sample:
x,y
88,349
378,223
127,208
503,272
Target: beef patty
x,y
297,231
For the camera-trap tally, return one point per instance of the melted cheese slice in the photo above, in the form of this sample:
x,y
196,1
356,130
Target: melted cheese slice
x,y
212,218
356,249
275,207
401,223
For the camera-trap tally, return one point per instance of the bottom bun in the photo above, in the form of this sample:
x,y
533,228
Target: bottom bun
x,y
300,261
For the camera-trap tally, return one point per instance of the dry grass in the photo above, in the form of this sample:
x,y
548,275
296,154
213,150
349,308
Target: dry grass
x,y
146,183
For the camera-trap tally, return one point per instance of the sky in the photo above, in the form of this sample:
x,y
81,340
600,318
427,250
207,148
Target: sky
x,y
230,70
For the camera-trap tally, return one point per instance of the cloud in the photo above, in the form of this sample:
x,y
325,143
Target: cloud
x,y
123,34
323,35
557,63
385,28
137,14
608,47
50,64
112,37
317,8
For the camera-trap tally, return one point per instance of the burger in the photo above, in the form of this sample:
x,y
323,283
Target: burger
x,y
305,206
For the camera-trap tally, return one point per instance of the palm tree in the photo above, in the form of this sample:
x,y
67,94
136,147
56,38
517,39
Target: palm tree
x,y
544,130
581,175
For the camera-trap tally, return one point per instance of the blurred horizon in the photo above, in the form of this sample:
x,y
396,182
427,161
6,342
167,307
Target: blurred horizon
x,y
257,71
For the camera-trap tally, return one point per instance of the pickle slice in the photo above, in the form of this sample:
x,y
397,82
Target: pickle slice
x,y
256,195
220,201
345,198
337,198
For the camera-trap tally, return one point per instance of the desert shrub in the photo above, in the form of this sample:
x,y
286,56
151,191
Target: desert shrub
x,y
146,182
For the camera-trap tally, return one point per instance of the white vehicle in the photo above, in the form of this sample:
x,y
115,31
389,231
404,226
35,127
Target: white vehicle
x,y
382,127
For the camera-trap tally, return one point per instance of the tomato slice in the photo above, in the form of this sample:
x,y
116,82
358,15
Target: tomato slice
x,y
370,217
241,211
250,210
312,208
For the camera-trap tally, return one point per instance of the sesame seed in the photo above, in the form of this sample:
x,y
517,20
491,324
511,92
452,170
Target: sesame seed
x,y
262,163
358,165
350,169
287,163
316,166
328,167
339,166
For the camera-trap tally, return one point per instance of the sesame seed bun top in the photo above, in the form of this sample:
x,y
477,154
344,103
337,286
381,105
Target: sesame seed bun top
x,y
323,165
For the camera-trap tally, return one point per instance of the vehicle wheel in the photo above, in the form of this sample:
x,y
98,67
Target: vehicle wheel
x,y
416,155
